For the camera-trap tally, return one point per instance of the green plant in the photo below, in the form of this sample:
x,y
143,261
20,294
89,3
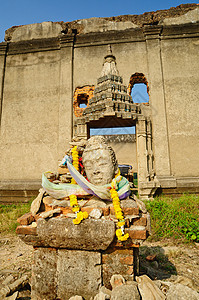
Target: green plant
x,y
9,214
175,217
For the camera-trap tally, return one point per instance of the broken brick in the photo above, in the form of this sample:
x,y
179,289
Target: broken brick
x,y
26,219
140,222
137,234
26,230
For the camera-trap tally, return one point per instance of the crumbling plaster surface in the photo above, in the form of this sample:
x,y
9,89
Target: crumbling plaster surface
x,y
34,130
181,94
191,16
26,128
33,31
183,13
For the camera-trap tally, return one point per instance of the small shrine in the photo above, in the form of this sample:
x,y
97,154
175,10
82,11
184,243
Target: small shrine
x,y
85,225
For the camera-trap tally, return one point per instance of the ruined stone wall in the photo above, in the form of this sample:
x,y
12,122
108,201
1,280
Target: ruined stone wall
x,y
30,117
36,111
181,64
41,65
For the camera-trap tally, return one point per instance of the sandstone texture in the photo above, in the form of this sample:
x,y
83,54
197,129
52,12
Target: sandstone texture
x,y
83,273
89,235
125,292
181,292
35,206
148,289
117,280
77,273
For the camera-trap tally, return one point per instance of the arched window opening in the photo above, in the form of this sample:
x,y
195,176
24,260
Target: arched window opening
x,y
82,100
138,88
139,93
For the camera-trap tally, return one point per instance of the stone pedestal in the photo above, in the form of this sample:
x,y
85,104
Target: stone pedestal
x,y
77,259
62,273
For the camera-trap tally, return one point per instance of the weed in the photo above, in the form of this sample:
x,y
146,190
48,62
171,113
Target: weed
x,y
176,218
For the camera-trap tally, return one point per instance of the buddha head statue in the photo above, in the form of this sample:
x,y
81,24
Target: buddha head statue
x,y
99,161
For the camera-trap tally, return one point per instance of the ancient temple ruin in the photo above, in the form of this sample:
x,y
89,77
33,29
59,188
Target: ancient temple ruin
x,y
48,71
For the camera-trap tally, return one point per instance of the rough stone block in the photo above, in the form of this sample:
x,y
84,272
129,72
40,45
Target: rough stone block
x,y
148,290
181,292
125,292
140,222
63,170
44,279
127,260
35,206
78,273
89,235
117,280
106,211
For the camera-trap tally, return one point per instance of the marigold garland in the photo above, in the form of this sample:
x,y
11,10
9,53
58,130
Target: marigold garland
x,y
75,158
118,211
76,209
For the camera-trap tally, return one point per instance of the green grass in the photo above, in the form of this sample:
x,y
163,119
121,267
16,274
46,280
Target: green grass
x,y
9,214
176,218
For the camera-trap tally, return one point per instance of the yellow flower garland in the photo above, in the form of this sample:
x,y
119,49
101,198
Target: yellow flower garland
x,y
118,211
75,158
76,209
73,198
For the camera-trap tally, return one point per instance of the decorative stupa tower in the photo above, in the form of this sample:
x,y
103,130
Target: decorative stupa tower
x,y
110,95
110,98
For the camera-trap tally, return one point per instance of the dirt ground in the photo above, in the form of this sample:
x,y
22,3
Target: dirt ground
x,y
168,260
172,260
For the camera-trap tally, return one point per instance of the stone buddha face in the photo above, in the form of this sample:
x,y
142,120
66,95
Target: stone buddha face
x,y
99,161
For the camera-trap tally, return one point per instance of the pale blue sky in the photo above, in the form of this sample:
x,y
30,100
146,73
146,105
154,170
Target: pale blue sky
x,y
21,12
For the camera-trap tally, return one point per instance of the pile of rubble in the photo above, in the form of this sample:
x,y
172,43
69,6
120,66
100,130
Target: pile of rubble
x,y
143,288
146,289
12,289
